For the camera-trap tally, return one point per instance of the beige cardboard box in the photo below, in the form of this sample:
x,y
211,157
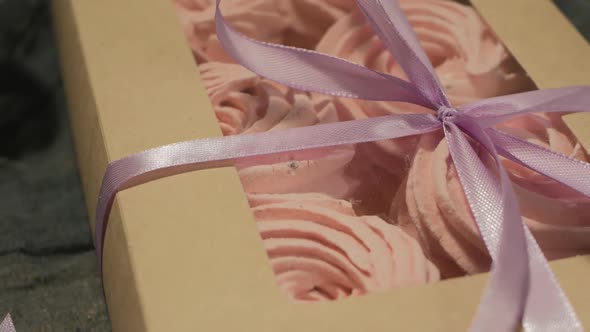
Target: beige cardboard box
x,y
182,253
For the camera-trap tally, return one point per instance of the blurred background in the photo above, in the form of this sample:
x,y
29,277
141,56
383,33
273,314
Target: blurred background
x,y
48,275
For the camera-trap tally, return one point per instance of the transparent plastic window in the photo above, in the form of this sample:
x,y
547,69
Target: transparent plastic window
x,y
348,220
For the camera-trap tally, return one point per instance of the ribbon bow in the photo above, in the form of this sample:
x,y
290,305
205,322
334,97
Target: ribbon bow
x,y
521,288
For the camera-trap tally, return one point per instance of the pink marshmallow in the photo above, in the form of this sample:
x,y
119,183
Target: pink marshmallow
x,y
432,207
244,104
198,23
320,250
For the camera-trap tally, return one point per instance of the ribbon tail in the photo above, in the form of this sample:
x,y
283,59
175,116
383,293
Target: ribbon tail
x,y
192,155
494,208
547,307
492,111
521,280
568,171
312,71
391,25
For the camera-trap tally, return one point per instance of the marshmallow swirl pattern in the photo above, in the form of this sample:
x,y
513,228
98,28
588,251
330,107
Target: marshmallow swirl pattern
x,y
320,250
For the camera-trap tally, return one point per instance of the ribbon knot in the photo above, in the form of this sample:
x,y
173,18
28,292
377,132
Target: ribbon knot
x,y
445,113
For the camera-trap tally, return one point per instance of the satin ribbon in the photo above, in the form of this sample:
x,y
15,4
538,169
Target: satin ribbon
x,y
7,325
521,288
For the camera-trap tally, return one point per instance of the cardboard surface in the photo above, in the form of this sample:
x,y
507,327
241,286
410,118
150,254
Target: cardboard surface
x,y
182,253
545,43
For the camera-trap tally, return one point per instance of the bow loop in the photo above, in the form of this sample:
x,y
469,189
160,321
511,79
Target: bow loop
x,y
492,111
391,25
312,71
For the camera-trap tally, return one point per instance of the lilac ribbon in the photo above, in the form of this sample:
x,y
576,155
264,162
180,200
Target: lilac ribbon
x,y
521,289
7,325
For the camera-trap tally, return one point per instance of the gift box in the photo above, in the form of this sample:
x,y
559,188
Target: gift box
x,y
182,253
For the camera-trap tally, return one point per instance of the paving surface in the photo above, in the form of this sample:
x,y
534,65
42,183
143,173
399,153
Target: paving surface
x,y
48,274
